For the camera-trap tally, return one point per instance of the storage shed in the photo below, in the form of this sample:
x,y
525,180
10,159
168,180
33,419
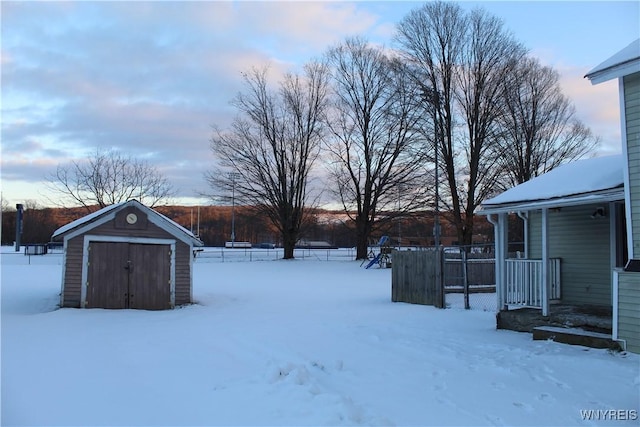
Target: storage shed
x,y
126,256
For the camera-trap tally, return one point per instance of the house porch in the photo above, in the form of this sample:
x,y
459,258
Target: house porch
x,y
587,325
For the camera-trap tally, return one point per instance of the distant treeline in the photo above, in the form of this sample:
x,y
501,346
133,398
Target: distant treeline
x,y
213,225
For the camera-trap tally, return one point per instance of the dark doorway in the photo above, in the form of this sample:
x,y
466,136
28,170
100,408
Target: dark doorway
x,y
129,275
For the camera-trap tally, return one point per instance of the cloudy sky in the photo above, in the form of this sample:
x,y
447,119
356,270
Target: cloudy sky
x,y
151,78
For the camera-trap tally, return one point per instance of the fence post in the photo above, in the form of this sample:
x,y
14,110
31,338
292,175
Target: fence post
x,y
465,278
440,294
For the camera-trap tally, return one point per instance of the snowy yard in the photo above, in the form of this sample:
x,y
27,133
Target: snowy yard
x,y
304,342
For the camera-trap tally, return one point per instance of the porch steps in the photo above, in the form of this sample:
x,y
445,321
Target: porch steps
x,y
575,336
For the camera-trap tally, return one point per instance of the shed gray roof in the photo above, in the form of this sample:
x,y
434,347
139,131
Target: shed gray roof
x,y
169,225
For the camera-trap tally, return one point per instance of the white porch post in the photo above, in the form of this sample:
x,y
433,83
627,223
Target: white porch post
x,y
499,261
545,263
615,304
504,254
525,220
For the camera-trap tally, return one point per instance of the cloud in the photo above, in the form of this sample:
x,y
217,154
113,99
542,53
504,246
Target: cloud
x,y
149,78
597,106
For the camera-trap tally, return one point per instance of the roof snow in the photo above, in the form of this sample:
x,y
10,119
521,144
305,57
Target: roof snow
x,y
626,61
576,178
85,219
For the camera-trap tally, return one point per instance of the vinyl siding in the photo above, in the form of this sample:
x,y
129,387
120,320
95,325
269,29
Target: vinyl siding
x,y
72,273
183,273
583,245
632,120
629,310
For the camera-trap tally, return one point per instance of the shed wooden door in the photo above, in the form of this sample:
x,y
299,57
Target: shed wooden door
x,y
129,275
108,284
149,277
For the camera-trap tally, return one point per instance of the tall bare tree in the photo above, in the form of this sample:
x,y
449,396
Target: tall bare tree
x,y
107,177
377,157
539,129
461,59
267,156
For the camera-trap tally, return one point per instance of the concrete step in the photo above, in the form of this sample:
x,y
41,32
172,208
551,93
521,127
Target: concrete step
x,y
575,336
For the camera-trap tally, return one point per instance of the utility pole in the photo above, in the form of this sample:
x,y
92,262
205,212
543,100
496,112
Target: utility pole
x,y
399,217
436,219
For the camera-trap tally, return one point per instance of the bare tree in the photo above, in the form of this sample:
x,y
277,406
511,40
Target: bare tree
x,y
272,146
461,59
375,146
539,130
109,177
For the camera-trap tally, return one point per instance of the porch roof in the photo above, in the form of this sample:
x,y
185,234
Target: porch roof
x,y
597,180
625,62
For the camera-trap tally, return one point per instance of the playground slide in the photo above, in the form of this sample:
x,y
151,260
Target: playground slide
x,y
373,261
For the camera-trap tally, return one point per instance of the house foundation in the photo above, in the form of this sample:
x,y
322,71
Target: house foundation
x,y
590,326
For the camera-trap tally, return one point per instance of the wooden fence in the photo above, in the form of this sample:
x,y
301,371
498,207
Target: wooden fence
x,y
417,277
425,277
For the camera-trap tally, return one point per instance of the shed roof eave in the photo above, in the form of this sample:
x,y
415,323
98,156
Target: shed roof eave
x,y
532,205
60,233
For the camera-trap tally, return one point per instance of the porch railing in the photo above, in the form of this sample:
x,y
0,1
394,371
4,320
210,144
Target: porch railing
x,y
524,282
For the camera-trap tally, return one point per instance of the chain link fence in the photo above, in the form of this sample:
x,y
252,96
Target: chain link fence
x,y
217,254
469,277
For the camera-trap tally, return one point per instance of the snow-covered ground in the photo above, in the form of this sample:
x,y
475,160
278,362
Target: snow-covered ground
x,y
304,342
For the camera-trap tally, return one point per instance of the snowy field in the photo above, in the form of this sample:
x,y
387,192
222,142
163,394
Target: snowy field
x,y
303,342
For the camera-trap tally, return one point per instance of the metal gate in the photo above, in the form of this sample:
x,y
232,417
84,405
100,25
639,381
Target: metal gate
x,y
129,275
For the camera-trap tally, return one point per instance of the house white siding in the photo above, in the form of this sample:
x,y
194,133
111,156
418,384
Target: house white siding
x,y
629,282
584,246
632,128
629,310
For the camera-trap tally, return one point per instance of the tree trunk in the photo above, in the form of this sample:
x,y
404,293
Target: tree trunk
x,y
363,230
289,244
362,247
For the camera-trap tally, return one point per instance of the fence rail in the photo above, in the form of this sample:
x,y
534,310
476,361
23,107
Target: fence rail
x,y
524,282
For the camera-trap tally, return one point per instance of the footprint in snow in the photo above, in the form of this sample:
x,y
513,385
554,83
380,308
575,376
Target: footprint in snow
x,y
498,386
494,420
546,397
524,406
